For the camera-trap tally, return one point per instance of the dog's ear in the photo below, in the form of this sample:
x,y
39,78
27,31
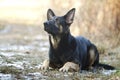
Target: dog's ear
x,y
69,17
50,14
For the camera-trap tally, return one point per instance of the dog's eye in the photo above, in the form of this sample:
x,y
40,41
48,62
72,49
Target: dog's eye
x,y
56,19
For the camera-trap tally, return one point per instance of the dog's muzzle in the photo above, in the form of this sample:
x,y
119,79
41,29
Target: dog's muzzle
x,y
46,26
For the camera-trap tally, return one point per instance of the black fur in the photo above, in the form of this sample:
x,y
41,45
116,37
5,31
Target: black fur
x,y
64,47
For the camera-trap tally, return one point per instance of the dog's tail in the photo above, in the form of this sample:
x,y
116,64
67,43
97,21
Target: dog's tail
x,y
105,66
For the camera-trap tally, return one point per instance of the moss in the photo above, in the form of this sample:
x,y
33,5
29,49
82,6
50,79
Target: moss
x,y
10,70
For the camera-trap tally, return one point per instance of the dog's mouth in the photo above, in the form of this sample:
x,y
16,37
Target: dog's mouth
x,y
48,30
51,31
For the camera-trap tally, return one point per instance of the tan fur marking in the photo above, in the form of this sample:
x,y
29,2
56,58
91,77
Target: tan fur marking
x,y
61,29
55,41
69,66
45,65
92,57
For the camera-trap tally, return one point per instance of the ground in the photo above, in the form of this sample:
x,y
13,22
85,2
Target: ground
x,y
23,48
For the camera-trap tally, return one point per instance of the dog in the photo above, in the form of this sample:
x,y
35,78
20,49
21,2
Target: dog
x,y
66,52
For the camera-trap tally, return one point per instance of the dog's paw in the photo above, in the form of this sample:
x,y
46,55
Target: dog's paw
x,y
70,66
45,65
64,69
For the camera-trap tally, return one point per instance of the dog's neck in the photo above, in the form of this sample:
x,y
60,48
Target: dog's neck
x,y
55,40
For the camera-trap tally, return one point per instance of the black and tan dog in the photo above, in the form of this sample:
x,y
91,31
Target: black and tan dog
x,y
67,52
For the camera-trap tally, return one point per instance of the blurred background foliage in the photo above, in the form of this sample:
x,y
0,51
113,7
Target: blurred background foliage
x,y
98,20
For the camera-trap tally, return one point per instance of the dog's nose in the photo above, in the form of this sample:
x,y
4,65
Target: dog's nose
x,y
45,23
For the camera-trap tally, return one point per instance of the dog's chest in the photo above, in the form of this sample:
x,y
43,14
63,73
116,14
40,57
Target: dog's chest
x,y
63,55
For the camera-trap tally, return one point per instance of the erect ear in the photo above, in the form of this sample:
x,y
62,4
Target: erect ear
x,y
69,17
50,14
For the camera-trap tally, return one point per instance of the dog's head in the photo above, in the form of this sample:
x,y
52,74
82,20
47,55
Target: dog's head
x,y
57,25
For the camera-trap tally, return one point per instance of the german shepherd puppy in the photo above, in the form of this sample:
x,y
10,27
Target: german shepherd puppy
x,y
67,52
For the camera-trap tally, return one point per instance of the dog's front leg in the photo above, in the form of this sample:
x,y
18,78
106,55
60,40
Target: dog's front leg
x,y
45,65
70,66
